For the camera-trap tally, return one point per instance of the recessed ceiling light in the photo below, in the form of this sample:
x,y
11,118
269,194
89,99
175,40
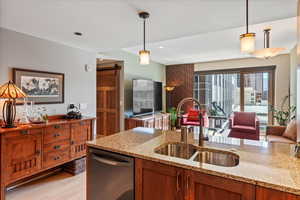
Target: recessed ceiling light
x,y
161,47
78,33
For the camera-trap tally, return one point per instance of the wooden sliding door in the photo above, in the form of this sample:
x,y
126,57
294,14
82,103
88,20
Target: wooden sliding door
x,y
108,100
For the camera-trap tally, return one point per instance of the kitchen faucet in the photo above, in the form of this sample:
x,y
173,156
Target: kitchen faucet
x,y
185,129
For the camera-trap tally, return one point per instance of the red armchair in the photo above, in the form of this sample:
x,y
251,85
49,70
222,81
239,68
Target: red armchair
x,y
244,125
192,118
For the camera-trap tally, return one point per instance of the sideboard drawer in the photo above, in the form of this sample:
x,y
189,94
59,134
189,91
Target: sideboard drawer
x,y
56,133
55,146
56,157
25,132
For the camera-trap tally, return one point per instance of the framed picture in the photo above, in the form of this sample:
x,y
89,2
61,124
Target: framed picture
x,y
40,86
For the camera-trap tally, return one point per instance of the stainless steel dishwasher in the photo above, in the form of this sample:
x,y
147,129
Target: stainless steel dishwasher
x,y
110,176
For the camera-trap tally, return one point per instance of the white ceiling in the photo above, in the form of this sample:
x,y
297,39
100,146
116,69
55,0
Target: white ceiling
x,y
113,24
220,45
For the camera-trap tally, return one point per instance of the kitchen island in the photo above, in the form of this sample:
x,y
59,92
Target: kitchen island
x,y
264,170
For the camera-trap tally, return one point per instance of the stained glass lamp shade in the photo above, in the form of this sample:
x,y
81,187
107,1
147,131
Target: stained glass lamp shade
x,y
10,92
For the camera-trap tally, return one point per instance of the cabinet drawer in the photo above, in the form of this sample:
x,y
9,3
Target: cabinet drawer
x,y
56,157
24,133
56,133
63,144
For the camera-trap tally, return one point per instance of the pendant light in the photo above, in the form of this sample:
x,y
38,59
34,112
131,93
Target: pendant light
x,y
247,39
144,54
267,52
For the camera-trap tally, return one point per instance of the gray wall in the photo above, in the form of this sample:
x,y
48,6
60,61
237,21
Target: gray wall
x,y
24,51
132,69
293,75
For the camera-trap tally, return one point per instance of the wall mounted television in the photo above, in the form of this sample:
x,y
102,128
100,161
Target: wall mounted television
x,y
147,96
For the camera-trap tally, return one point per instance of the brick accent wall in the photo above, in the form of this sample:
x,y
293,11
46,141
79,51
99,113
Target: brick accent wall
x,y
182,77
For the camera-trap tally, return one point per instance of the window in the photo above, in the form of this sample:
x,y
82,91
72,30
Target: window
x,y
226,91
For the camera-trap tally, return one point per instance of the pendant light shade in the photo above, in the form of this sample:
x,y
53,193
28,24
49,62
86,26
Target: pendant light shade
x,y
247,42
247,39
144,57
267,52
144,54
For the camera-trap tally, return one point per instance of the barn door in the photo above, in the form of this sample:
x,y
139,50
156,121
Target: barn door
x,y
108,100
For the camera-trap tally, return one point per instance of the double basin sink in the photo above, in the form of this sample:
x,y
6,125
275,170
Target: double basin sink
x,y
199,154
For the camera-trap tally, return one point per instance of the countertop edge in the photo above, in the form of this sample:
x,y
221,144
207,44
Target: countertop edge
x,y
210,172
44,125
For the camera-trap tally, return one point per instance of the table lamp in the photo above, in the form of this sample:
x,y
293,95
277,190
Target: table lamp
x,y
10,92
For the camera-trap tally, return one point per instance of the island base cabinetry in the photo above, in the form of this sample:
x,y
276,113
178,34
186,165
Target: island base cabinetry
x,y
207,187
270,194
164,182
158,181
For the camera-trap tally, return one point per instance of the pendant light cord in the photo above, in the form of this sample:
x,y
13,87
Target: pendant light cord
x,y
144,34
247,14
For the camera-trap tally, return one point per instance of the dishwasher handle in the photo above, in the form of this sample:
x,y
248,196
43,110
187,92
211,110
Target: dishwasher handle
x,y
111,162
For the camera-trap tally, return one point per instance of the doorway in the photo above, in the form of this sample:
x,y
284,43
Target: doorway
x,y
109,97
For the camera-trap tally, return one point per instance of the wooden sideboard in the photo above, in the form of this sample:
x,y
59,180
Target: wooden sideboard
x,y
31,149
158,121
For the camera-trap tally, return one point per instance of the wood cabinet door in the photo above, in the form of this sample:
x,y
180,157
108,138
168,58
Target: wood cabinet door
x,y
149,123
22,153
108,101
207,187
158,181
269,194
80,133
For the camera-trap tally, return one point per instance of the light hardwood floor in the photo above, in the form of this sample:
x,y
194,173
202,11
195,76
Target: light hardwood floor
x,y
61,186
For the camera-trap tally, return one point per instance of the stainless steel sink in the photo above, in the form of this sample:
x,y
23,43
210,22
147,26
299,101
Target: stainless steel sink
x,y
179,150
217,157
199,154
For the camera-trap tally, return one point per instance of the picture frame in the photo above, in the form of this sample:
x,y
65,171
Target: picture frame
x,y
42,87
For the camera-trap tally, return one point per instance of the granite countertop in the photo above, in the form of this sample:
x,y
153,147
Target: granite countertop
x,y
42,125
261,163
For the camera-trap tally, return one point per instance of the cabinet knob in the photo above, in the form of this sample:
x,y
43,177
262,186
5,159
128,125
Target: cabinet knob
x,y
188,182
56,135
178,176
72,142
38,152
56,126
56,147
56,158
24,132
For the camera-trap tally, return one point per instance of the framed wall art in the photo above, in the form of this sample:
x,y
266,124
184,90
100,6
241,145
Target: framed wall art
x,y
40,86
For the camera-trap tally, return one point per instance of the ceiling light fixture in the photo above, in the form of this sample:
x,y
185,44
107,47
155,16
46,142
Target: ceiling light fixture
x,y
144,54
267,52
78,33
247,39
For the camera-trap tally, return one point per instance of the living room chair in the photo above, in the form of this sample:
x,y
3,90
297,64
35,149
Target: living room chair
x,y
192,118
244,125
283,134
